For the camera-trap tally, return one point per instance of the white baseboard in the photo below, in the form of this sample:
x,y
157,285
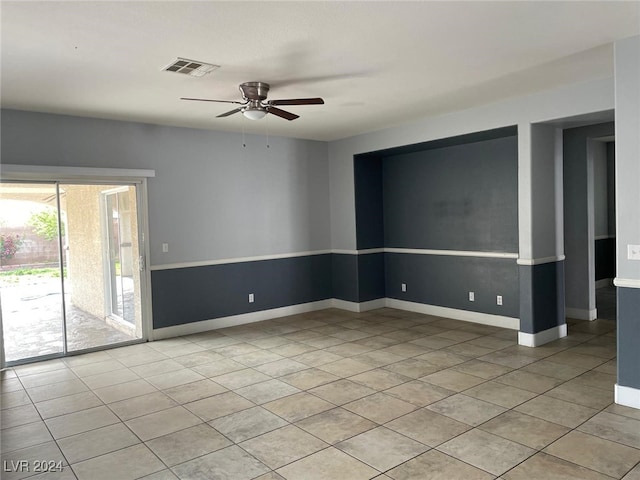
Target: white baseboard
x,y
627,396
581,314
540,338
358,307
232,321
605,282
465,315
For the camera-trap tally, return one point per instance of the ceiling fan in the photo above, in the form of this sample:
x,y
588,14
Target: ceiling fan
x,y
256,105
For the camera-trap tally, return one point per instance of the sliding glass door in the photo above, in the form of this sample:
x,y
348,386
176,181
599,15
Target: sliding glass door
x,y
70,277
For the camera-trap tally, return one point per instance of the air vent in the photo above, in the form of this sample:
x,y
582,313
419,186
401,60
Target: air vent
x,y
190,67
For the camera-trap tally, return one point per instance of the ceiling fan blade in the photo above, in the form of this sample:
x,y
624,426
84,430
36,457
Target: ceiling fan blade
x,y
282,113
231,112
208,100
298,101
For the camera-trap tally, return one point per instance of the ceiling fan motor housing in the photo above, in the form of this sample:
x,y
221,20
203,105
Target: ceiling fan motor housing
x,y
254,90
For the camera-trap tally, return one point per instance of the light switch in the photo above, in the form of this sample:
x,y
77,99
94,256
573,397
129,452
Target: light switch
x,y
165,247
633,252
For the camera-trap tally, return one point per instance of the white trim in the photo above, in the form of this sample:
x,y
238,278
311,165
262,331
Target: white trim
x,y
257,258
465,315
358,307
581,313
231,321
540,261
605,282
453,253
626,282
225,261
627,396
45,172
540,338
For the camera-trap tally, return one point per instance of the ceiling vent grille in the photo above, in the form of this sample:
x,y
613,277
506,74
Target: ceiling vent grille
x,y
193,68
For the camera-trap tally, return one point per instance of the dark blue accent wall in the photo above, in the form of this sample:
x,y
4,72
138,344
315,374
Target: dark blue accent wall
x,y
185,295
628,334
369,202
543,305
605,258
345,277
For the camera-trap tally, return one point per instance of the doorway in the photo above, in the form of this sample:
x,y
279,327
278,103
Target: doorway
x,y
70,268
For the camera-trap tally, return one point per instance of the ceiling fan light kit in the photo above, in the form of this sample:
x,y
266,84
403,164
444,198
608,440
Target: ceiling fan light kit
x,y
255,105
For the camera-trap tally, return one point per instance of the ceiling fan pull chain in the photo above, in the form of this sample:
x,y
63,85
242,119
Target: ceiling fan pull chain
x,y
266,126
244,145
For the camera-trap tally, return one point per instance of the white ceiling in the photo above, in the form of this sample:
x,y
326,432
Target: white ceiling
x,y
376,64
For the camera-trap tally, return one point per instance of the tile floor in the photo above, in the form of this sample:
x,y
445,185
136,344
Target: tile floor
x,y
331,395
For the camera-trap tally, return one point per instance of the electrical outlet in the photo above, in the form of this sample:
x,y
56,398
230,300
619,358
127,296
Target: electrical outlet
x,y
404,287
251,298
499,299
472,297
165,247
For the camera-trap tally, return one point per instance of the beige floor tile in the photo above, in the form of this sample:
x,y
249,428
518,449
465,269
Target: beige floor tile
x,y
553,369
23,436
434,342
379,379
529,381
240,378
270,476
466,409
468,350
110,378
131,357
246,424
557,411
453,380
624,411
174,378
122,391
419,393
161,423
288,349
442,358
93,443
187,444
280,368
379,407
156,368
346,367
576,360
229,463
257,358
218,367
264,392
592,379
508,359
349,349
82,421
237,349
12,417
190,392
379,358
47,378
142,405
310,378
527,430
428,427
218,405
317,358
634,474
280,447
406,350
613,427
479,368
327,464
126,464
582,394
10,384
545,466
595,453
434,465
298,406
87,358
68,404
335,425
412,367
492,342
198,358
14,399
486,451
342,391
95,368
61,389
500,394
382,448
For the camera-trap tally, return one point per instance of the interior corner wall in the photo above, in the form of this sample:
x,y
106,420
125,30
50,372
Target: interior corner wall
x,y
227,212
604,209
579,217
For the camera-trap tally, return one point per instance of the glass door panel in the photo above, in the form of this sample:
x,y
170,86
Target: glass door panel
x,y
102,282
30,271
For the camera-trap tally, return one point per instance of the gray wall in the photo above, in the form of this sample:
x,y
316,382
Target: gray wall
x,y
211,199
604,209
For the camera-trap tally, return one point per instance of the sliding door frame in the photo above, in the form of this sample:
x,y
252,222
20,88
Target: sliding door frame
x,y
94,176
